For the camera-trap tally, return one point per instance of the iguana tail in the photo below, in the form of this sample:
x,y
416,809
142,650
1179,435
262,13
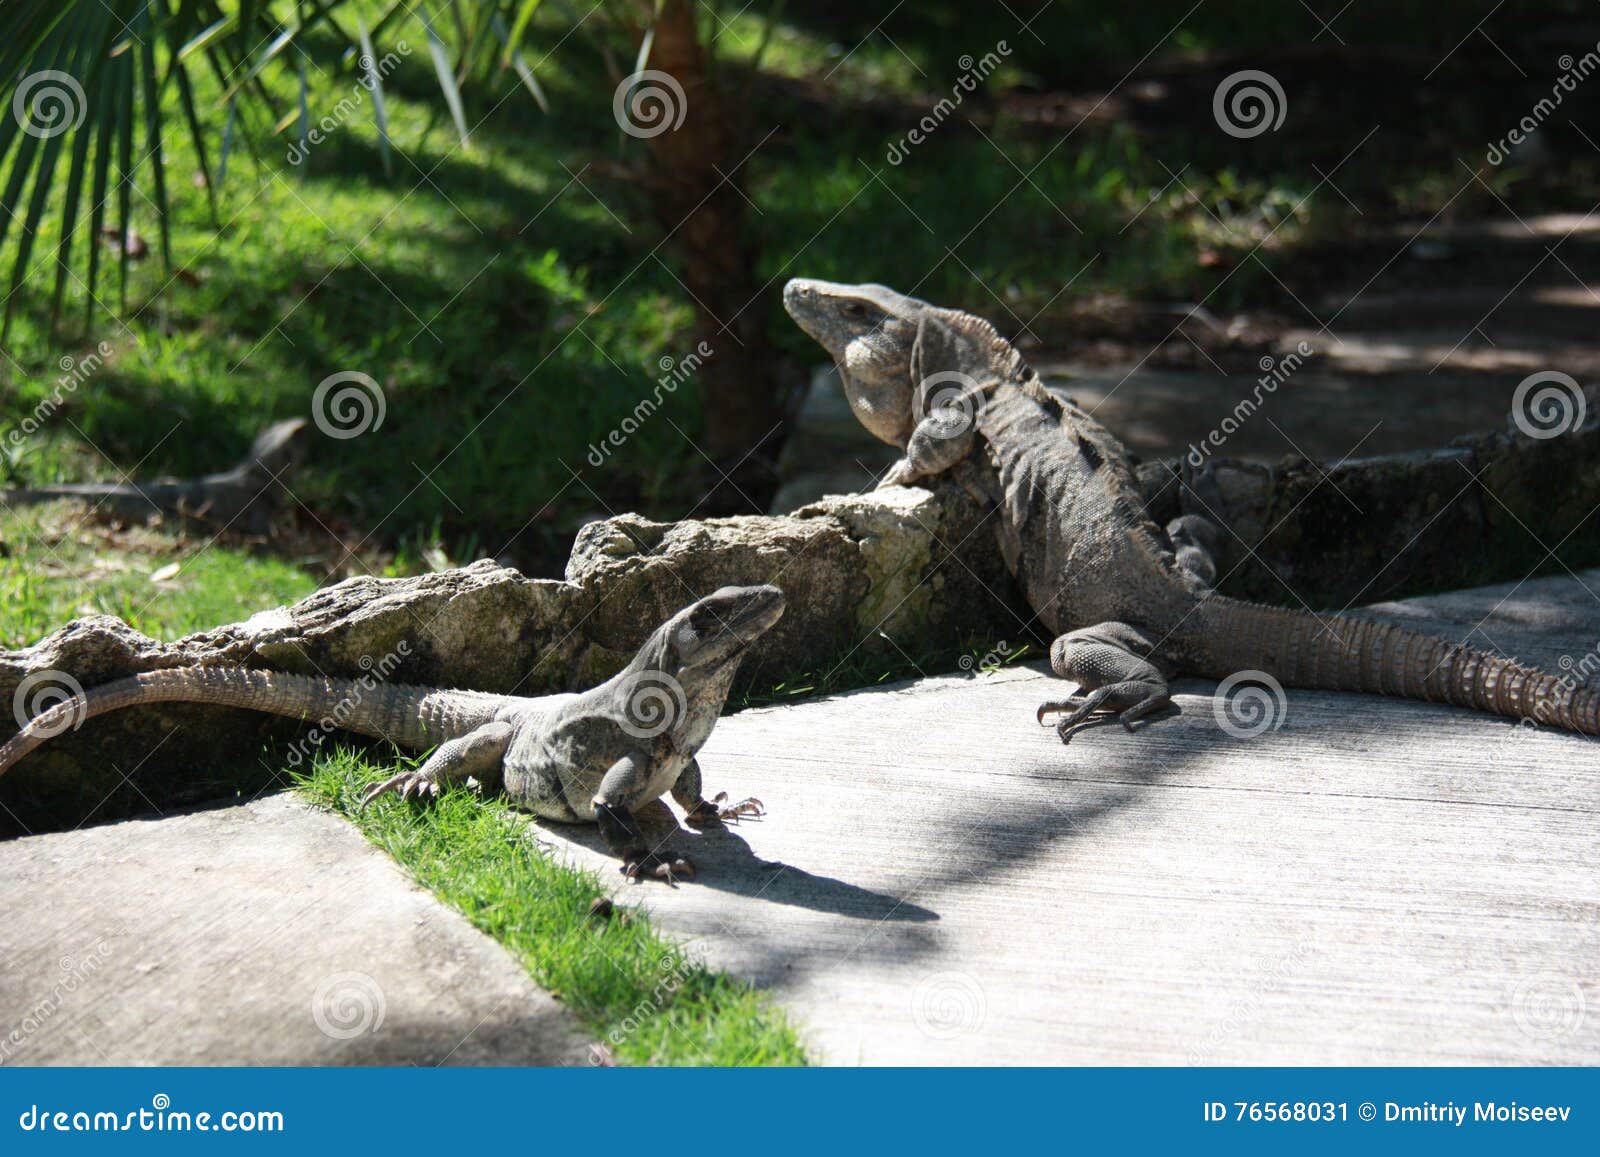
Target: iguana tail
x,y
411,717
1338,653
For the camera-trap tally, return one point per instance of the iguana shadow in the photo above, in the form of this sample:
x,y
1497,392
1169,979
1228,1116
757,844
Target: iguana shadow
x,y
725,862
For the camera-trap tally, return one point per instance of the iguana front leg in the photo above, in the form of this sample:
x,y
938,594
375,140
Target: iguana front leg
x,y
619,808
701,811
1110,662
948,402
477,753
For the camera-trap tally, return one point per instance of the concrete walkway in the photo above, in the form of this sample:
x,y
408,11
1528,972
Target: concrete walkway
x,y
263,934
941,881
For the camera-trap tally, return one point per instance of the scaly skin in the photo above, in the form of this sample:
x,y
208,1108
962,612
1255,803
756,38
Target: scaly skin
x,y
1131,602
606,755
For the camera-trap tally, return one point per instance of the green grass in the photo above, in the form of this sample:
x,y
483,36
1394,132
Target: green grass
x,y
513,315
59,566
640,995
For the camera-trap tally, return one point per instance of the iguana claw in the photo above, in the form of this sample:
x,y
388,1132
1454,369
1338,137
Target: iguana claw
x,y
713,810
649,865
406,784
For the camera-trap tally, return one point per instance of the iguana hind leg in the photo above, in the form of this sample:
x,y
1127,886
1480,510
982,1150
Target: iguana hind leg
x,y
701,811
1111,663
477,754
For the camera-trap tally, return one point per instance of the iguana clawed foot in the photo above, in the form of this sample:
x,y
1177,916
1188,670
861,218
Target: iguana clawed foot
x,y
415,781
713,810
1114,698
643,865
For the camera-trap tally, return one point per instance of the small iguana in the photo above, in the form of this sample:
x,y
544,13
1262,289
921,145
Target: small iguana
x,y
245,496
605,755
1131,603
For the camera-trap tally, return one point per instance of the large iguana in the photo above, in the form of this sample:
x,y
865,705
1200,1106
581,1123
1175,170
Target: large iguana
x,y
605,755
1130,602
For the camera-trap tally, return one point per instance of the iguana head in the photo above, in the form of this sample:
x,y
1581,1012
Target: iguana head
x,y
885,343
712,635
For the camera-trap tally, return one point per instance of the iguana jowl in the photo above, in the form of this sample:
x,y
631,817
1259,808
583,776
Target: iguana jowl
x,y
1131,602
605,755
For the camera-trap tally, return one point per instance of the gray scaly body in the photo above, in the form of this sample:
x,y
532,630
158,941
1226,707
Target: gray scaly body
x,y
606,755
1130,602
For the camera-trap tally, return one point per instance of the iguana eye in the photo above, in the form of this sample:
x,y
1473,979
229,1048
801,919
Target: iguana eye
x,y
853,309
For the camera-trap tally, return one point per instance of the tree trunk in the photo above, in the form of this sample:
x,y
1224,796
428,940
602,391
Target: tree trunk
x,y
699,199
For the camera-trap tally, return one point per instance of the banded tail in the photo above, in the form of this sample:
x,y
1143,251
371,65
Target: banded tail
x,y
1339,653
411,717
